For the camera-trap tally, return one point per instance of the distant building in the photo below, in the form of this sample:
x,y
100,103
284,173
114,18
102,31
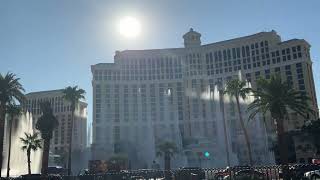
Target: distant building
x,y
62,111
148,96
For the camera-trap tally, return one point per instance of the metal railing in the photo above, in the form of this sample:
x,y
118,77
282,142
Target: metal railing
x,y
293,172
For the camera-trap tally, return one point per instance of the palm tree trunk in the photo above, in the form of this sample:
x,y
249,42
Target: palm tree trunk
x,y
29,161
45,156
283,147
167,166
246,136
70,143
221,100
9,145
2,121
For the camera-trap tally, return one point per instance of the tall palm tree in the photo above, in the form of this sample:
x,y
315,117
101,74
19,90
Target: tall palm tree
x,y
166,149
30,142
221,104
46,124
10,90
277,97
12,111
72,95
237,89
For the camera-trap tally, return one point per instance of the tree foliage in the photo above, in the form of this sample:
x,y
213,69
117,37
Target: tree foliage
x,y
47,121
278,97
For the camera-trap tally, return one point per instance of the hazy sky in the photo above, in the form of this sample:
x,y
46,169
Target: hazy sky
x,y
51,44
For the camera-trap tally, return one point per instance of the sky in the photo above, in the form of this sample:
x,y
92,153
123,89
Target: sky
x,y
52,44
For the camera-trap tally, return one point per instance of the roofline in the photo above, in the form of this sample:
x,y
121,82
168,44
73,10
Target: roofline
x,y
45,91
204,45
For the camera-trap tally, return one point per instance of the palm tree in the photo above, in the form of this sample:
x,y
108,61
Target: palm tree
x,y
30,142
73,95
312,128
46,124
166,149
277,98
10,90
12,110
221,104
237,88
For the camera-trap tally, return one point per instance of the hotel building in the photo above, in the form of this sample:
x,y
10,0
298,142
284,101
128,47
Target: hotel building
x,y
149,96
62,111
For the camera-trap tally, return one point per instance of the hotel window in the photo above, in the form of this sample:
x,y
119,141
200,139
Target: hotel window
x,y
289,57
247,50
243,51
233,53
224,55
238,52
284,58
229,54
219,56
257,74
299,48
248,77
215,56
267,73
288,50
261,44
294,49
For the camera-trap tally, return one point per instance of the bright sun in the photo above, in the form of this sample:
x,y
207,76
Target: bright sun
x,y
129,27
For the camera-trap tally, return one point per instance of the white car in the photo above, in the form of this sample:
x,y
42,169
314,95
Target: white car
x,y
313,175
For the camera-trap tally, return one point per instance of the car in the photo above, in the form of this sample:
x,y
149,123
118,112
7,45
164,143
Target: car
x,y
297,172
222,173
312,175
246,173
57,170
190,173
31,176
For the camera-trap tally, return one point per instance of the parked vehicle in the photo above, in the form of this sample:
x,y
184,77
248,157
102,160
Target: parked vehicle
x,y
297,172
57,170
312,175
190,173
246,173
223,173
31,176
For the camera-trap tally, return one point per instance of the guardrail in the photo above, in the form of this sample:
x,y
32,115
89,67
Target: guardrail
x,y
293,172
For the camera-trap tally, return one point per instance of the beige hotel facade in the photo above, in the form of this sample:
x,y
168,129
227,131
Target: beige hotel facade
x,y
153,95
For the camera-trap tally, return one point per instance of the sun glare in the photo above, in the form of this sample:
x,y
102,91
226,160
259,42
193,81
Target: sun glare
x,y
129,27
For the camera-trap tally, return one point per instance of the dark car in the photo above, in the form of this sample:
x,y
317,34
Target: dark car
x,y
296,172
195,173
31,176
57,170
247,174
250,173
